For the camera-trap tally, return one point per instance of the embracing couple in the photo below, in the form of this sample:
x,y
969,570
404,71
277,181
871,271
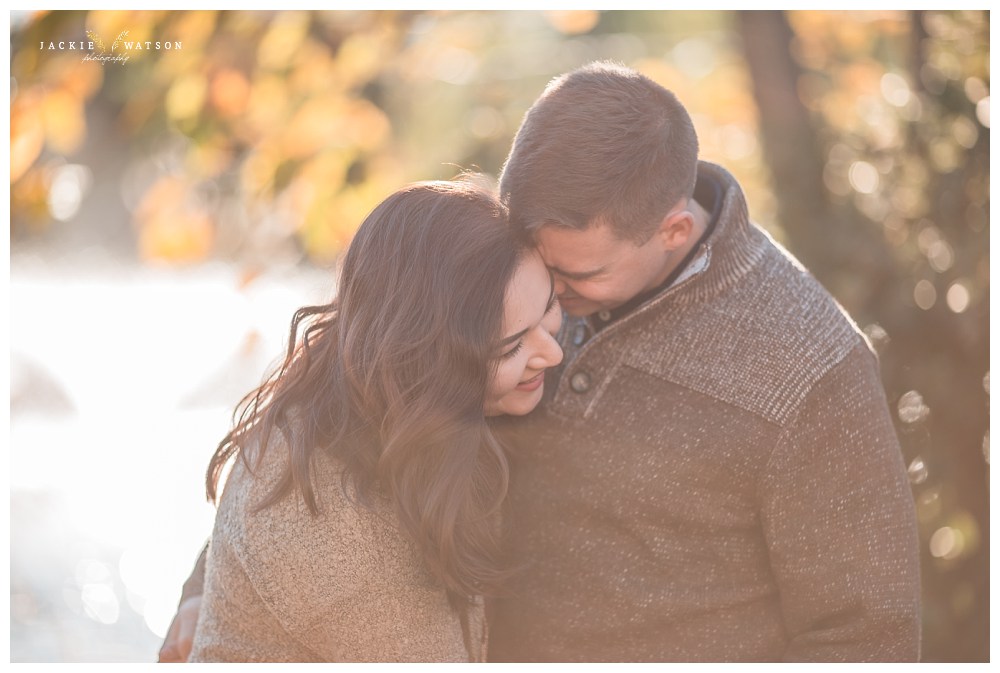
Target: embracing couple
x,y
600,416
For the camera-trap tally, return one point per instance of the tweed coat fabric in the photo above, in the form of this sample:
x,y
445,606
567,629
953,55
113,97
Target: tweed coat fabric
x,y
713,477
282,585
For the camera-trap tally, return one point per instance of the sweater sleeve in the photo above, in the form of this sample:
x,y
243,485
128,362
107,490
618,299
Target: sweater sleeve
x,y
234,622
195,583
840,525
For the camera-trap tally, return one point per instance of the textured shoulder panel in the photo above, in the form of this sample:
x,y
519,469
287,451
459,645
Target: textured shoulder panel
x,y
760,346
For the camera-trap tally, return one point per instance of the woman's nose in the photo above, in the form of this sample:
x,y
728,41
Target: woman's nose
x,y
549,353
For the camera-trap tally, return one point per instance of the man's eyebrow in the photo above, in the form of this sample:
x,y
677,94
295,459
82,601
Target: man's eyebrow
x,y
548,305
577,275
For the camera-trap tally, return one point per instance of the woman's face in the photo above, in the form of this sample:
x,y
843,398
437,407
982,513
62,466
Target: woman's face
x,y
531,319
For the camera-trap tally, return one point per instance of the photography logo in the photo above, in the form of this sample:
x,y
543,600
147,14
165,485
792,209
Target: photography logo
x,y
119,51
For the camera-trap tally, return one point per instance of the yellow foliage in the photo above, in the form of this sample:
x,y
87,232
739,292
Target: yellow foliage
x,y
27,134
258,170
186,97
326,172
267,106
727,96
666,75
172,227
861,77
365,125
331,121
313,71
181,238
360,58
107,24
313,126
62,114
194,27
282,40
209,159
330,224
81,78
573,22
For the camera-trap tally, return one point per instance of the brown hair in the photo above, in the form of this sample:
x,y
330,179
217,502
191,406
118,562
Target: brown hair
x,y
390,379
601,142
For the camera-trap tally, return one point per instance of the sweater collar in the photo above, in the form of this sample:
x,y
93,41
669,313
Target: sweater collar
x,y
730,248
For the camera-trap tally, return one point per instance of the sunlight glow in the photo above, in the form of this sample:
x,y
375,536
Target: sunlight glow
x,y
917,471
983,112
958,297
912,408
863,177
895,89
67,189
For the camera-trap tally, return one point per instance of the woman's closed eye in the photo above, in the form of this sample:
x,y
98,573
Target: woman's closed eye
x,y
513,351
552,305
553,302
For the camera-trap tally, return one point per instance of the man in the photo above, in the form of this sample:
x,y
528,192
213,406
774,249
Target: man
x,y
714,475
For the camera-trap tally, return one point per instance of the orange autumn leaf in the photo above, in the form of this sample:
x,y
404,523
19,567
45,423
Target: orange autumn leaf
x,y
27,136
229,92
177,237
172,227
63,116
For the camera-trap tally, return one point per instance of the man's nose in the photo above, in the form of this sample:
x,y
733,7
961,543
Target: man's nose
x,y
559,285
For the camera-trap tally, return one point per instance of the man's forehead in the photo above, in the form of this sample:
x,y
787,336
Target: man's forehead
x,y
576,252
558,240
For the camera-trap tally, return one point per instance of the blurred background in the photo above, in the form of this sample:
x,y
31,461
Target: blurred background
x,y
181,187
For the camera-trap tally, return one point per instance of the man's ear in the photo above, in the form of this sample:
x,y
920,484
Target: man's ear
x,y
676,228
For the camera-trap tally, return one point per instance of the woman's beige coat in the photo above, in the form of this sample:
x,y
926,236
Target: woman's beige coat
x,y
284,585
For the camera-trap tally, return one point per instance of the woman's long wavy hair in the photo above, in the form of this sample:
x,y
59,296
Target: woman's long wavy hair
x,y
390,379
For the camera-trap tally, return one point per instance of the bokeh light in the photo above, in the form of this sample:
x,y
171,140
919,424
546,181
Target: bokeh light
x,y
925,294
912,408
958,297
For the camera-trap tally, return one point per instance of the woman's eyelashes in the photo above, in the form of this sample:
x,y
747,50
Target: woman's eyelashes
x,y
513,351
553,303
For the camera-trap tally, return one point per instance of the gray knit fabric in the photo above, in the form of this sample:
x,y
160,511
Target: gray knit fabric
x,y
714,477
284,586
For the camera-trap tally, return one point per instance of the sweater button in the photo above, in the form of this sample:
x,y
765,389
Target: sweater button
x,y
580,382
605,316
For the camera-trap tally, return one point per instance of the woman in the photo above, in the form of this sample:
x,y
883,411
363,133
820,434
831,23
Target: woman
x,y
359,521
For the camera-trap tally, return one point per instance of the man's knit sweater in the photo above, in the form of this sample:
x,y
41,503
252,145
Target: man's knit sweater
x,y
714,477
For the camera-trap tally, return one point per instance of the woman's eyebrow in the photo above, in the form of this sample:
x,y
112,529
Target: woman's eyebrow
x,y
514,337
548,305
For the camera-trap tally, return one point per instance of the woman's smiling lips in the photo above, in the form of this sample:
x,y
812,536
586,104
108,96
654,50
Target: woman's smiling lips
x,y
532,383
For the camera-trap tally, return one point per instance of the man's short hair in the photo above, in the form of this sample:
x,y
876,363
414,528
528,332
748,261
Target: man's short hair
x,y
603,143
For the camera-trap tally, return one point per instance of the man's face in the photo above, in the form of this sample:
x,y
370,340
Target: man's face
x,y
595,270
